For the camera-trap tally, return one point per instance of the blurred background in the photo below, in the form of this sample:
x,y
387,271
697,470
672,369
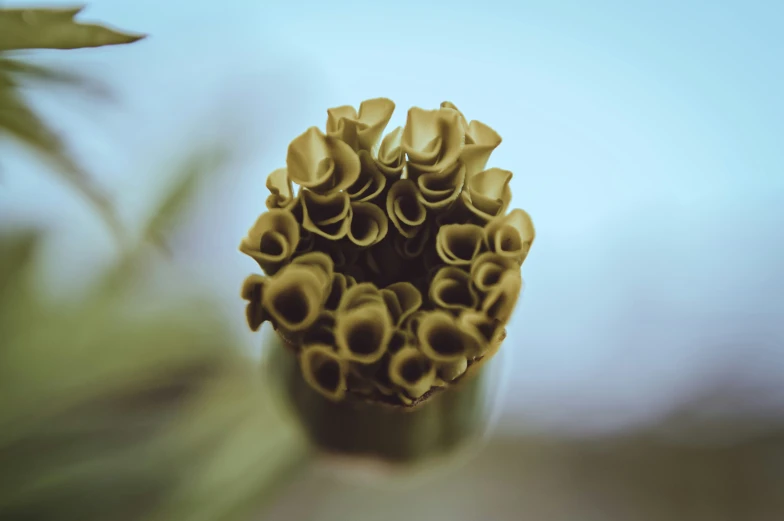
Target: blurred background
x,y
645,362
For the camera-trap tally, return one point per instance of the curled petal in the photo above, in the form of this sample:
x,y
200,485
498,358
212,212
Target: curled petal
x,y
488,268
361,295
487,194
294,297
399,340
449,371
413,247
438,190
391,158
443,340
281,190
322,163
481,140
320,261
363,333
460,244
411,324
272,240
461,118
326,215
340,284
511,235
489,329
412,371
451,290
404,209
371,180
361,131
369,224
402,299
458,213
432,139
252,290
324,370
307,241
501,301
322,331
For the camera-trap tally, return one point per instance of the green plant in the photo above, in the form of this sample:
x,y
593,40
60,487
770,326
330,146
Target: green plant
x,y
395,267
131,402
31,29
389,277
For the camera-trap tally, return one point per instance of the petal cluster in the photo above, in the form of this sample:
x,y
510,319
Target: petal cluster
x,y
390,262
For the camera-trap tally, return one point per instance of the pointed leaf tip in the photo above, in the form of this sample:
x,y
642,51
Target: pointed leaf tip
x,y
48,28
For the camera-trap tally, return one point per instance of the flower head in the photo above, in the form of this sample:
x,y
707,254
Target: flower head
x,y
396,267
323,164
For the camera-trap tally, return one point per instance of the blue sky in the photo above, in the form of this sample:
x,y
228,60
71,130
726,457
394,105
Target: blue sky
x,y
645,138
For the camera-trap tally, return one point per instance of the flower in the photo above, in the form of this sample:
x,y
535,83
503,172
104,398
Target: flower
x,y
395,268
432,139
323,164
438,190
500,302
362,333
480,141
272,240
294,297
488,268
369,224
324,370
486,327
281,190
451,290
410,369
371,181
326,215
360,130
512,235
391,158
460,244
405,209
487,194
402,299
252,290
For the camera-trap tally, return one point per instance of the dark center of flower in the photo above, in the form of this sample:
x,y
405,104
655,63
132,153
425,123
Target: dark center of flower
x,y
414,368
463,247
328,374
457,294
363,338
292,305
446,341
510,239
491,276
271,245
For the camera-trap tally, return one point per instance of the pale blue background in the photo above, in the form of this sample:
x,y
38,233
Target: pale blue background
x,y
645,136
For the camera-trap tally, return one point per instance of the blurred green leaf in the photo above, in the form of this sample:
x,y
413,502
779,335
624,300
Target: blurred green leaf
x,y
170,211
54,29
111,410
50,76
20,122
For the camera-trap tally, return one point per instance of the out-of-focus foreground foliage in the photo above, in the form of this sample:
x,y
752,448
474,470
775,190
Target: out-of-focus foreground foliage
x,y
128,404
26,29
132,402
